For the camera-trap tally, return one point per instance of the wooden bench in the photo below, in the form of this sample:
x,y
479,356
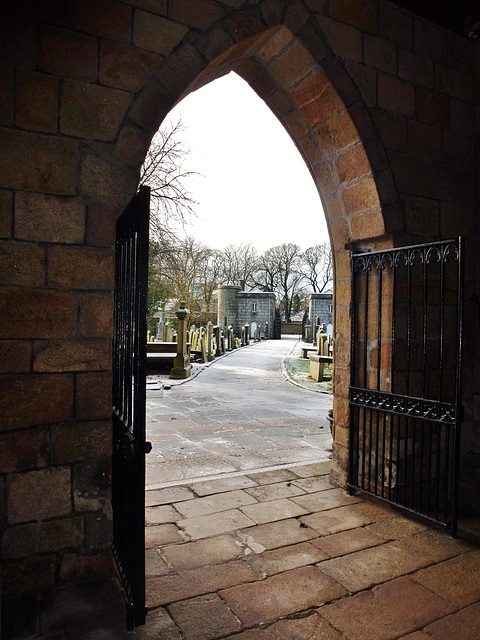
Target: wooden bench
x,y
317,365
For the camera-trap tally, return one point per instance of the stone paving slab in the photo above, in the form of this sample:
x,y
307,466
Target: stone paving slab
x,y
463,625
221,485
335,520
274,510
192,555
168,495
214,503
156,536
286,558
281,595
340,544
271,477
277,534
162,514
206,526
311,628
323,500
204,618
275,491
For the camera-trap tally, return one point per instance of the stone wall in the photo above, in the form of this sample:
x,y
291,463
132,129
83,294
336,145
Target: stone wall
x,y
265,310
320,305
382,105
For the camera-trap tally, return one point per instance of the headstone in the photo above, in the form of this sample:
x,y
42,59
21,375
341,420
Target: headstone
x,y
210,354
181,363
217,330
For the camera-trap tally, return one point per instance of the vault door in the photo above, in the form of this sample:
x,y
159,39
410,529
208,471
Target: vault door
x,y
129,388
405,393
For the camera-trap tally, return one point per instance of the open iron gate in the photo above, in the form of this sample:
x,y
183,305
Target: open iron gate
x,y
405,390
129,388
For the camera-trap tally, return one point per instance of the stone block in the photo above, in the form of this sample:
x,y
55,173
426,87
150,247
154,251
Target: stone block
x,y
90,111
23,450
390,610
275,491
93,400
408,172
281,595
37,162
79,441
150,107
334,209
366,80
6,95
37,102
49,219
29,574
395,25
380,54
278,534
273,511
345,40
213,504
125,67
37,495
325,178
167,495
287,558
160,625
6,213
106,181
432,108
415,68
96,315
80,268
316,98
86,569
352,164
395,95
335,520
193,555
21,263
462,117
453,83
155,33
163,534
18,40
460,53
98,530
430,40
37,313
363,16
39,399
35,538
314,484
422,216
90,483
243,24
347,542
392,128
458,150
68,53
198,582
360,196
292,65
325,500
223,522
336,133
15,356
105,18
204,617
161,515
201,15
101,221
463,624
72,355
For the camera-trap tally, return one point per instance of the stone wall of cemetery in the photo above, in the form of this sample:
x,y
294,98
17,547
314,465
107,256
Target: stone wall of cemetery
x,y
384,108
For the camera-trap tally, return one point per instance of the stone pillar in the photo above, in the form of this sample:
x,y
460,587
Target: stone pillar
x,y
210,355
181,363
217,330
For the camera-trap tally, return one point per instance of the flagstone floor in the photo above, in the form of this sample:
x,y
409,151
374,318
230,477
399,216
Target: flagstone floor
x,y
283,555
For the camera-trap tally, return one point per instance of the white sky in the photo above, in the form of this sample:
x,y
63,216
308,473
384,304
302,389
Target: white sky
x,y
255,186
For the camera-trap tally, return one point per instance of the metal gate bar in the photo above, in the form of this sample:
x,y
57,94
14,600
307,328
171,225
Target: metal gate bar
x,y
129,390
405,390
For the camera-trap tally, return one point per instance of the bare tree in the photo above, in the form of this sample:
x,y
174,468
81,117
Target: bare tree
x,y
164,172
239,262
318,271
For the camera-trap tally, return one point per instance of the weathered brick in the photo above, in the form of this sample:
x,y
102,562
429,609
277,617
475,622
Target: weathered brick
x,y
91,111
68,53
352,164
340,233
363,16
37,495
90,483
325,178
155,33
432,108
35,538
395,25
29,574
98,532
39,399
453,83
367,225
292,65
72,355
80,267
336,133
77,569
79,441
423,216
204,617
430,40
96,315
21,263
415,68
15,356
106,181
125,67
360,196
93,399
6,213
345,41
317,98
23,450
37,162
105,18
380,54
101,221
37,313
296,125
310,150
395,95
6,95
49,219
37,101
200,15
366,80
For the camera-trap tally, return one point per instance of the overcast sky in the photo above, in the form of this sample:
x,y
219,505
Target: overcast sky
x,y
255,187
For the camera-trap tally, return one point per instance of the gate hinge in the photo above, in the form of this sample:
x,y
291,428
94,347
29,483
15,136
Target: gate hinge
x,y
148,447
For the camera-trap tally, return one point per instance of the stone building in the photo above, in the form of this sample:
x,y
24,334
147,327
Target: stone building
x,y
320,305
384,106
237,307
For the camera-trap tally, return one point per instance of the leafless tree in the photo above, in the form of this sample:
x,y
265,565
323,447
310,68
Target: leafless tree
x,y
318,265
239,262
164,172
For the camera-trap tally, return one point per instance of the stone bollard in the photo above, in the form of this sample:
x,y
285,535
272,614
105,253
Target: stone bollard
x,y
210,354
181,363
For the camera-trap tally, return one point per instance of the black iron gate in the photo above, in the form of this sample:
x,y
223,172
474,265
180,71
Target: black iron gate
x,y
129,387
405,393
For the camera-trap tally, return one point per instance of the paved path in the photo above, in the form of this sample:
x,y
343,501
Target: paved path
x,y
239,414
